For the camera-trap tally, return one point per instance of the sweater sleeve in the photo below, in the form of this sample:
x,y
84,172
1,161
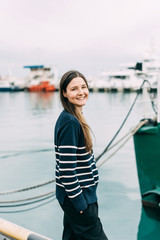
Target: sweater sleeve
x,y
67,148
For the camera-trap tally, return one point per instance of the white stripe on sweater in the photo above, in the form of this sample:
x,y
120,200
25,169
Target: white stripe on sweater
x,y
69,147
90,185
70,183
75,195
73,189
59,185
79,174
73,169
71,154
87,160
86,180
67,176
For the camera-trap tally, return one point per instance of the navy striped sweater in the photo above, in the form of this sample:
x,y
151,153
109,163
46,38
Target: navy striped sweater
x,y
76,172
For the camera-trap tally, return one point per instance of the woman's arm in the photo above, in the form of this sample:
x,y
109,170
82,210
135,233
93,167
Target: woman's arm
x,y
67,148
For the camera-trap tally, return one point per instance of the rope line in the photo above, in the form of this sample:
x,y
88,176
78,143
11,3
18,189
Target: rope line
x,y
19,153
27,199
28,203
28,188
121,139
28,209
132,133
138,92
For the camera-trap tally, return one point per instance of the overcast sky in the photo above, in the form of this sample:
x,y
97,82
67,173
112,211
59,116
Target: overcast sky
x,y
88,35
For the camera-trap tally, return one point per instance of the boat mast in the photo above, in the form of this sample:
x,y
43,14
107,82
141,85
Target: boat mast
x,y
145,100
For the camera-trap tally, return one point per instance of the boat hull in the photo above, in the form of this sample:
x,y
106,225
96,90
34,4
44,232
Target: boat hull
x,y
44,86
149,226
8,89
147,151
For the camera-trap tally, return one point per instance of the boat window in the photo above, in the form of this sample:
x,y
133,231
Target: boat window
x,y
148,60
119,77
36,76
151,68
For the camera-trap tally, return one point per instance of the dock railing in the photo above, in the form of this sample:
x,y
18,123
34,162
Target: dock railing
x,y
11,231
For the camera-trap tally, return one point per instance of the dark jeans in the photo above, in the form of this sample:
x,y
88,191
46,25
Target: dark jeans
x,y
85,226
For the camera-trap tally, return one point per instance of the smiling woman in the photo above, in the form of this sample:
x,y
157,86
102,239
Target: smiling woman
x,y
76,172
71,82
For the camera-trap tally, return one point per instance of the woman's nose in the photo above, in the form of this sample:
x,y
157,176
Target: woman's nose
x,y
80,91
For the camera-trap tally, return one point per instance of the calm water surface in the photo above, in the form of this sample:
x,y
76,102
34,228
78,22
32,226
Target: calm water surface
x,y
27,158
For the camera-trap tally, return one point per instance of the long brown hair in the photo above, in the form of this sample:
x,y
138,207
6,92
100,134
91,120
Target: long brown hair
x,y
69,107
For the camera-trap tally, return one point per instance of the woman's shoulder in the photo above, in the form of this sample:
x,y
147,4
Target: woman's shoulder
x,y
67,118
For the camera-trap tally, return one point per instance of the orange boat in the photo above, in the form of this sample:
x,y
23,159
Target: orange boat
x,y
44,86
40,79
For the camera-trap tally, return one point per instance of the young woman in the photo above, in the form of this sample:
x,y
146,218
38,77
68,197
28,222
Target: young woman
x,y
76,172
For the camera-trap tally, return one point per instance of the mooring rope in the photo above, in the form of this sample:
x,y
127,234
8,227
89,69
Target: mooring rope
x,y
32,208
121,139
28,199
27,188
27,203
19,153
131,134
138,92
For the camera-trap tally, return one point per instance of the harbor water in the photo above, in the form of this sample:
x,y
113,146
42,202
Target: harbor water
x,y
27,158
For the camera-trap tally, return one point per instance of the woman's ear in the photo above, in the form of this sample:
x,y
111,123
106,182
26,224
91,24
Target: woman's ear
x,y
64,94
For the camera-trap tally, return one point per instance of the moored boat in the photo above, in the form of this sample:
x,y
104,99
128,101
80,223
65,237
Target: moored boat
x,y
40,79
147,151
7,86
147,142
128,78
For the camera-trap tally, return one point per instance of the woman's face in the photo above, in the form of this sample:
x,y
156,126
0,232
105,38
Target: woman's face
x,y
77,92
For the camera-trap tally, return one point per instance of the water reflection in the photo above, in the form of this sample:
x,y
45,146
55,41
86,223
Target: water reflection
x,y
149,226
42,100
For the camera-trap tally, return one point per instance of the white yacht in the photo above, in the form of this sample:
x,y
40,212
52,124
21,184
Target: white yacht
x,y
11,84
129,78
